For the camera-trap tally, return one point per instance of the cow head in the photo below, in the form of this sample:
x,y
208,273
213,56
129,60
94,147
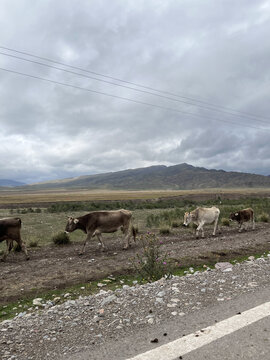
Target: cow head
x,y
187,218
72,225
234,216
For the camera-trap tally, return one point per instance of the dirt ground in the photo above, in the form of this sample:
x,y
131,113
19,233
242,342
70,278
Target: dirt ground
x,y
58,267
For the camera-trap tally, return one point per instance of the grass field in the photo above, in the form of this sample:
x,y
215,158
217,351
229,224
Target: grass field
x,y
39,227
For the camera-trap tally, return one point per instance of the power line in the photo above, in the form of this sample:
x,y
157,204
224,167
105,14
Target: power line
x,y
126,99
130,88
213,107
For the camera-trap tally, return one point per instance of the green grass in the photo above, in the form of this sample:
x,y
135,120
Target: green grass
x,y
40,227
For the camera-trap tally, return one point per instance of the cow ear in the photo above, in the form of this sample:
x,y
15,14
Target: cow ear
x,y
76,221
236,214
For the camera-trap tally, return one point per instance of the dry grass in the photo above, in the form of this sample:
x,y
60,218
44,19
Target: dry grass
x,y
34,197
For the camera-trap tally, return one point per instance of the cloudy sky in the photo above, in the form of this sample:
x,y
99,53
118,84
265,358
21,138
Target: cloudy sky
x,y
146,82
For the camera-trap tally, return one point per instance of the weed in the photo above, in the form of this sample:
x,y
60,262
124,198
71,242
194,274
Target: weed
x,y
264,217
61,238
225,222
151,264
164,230
33,243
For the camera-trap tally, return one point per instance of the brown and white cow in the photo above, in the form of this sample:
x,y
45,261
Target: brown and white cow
x,y
242,216
98,222
201,216
10,230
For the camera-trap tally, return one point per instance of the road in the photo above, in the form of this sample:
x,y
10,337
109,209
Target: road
x,y
252,341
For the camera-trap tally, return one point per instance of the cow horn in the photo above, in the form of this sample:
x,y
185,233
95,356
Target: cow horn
x,y
236,214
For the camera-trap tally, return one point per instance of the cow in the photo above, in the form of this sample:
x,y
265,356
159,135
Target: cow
x,y
242,216
98,222
10,230
201,216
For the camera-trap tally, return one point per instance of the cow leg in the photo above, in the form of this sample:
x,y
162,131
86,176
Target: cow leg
x,y
88,237
100,241
253,222
127,234
200,227
240,227
9,248
215,227
24,249
126,229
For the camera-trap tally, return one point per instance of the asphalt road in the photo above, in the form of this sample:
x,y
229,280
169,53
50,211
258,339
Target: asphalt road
x,y
250,342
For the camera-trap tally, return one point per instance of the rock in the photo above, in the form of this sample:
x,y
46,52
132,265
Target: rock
x,y
150,321
101,285
67,295
57,299
37,302
224,266
108,300
171,305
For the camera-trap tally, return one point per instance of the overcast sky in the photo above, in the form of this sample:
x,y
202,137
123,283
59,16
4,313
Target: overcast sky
x,y
210,58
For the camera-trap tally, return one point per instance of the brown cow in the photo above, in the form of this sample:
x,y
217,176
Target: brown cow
x,y
242,216
10,230
98,222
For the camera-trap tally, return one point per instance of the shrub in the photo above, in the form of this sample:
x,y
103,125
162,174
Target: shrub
x,y
61,238
264,217
175,224
151,265
33,243
164,230
225,222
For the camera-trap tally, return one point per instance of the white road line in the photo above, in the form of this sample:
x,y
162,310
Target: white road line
x,y
184,345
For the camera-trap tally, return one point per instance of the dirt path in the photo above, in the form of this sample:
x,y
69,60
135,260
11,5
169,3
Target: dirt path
x,y
58,267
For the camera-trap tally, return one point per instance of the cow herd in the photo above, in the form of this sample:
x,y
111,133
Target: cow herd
x,y
98,222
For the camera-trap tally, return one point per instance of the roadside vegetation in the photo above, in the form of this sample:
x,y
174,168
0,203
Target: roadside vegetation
x,y
58,296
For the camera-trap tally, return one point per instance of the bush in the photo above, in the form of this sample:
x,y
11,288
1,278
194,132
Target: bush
x,y
175,224
61,238
264,217
164,230
33,243
151,265
225,222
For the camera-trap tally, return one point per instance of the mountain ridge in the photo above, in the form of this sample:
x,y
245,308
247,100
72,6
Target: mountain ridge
x,y
176,177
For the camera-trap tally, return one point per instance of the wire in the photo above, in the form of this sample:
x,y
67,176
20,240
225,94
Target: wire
x,y
213,107
130,88
126,99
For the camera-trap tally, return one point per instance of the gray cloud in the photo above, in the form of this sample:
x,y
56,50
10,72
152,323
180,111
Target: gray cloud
x,y
213,52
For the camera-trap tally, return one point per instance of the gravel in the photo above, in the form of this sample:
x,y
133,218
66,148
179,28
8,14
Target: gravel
x,y
56,331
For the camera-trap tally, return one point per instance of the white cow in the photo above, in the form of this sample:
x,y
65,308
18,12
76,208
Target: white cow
x,y
201,216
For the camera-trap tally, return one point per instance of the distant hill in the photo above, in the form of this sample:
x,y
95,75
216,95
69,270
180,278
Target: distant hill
x,y
10,183
177,177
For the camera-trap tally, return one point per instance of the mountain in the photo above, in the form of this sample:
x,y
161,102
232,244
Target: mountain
x,y
10,183
177,177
